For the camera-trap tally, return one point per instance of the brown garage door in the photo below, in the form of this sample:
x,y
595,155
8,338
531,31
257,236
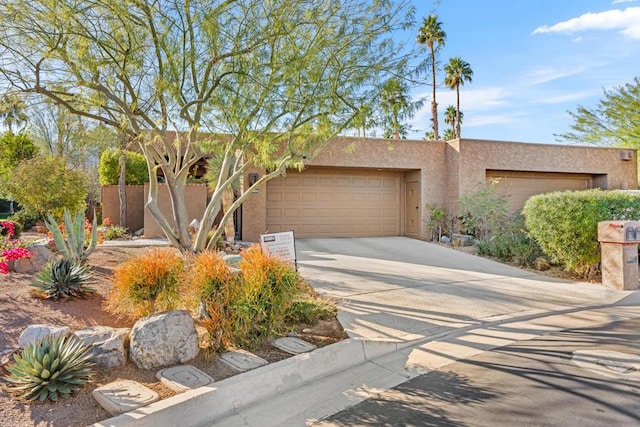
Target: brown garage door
x,y
335,203
519,186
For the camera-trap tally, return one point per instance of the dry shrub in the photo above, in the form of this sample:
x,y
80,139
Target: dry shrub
x,y
241,308
209,283
268,288
147,284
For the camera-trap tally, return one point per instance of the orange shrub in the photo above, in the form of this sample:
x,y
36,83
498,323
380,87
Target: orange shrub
x,y
147,284
208,285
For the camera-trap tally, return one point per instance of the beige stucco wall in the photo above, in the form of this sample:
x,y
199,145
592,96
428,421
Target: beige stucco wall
x,y
135,205
476,156
195,199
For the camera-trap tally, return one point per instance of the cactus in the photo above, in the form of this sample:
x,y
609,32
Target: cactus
x,y
62,279
49,368
73,246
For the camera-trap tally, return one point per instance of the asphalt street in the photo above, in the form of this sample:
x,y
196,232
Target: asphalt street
x,y
537,382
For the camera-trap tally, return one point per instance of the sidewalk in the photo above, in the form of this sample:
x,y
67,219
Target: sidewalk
x,y
409,307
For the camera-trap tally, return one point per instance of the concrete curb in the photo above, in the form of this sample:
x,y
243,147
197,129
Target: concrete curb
x,y
223,398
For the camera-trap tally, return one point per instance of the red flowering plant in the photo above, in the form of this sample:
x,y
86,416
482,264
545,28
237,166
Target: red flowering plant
x,y
10,249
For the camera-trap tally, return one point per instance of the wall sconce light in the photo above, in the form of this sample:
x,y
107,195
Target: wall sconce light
x,y
253,178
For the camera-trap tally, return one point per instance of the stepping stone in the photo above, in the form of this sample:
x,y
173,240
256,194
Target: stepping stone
x,y
293,345
183,377
123,396
242,360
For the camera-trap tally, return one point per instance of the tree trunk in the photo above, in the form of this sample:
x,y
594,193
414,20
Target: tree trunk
x,y
458,111
229,228
434,104
122,189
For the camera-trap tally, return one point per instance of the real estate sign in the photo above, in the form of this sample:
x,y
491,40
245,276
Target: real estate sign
x,y
281,245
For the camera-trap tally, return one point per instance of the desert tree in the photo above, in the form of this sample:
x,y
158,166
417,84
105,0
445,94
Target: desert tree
x,y
264,83
615,121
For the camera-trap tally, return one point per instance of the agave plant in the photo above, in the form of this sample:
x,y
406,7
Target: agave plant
x,y
62,279
72,246
48,369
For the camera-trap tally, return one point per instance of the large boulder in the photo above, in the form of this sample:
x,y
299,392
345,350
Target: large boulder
x,y
40,256
166,338
34,333
107,345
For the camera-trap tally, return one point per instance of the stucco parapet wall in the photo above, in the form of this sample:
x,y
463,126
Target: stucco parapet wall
x,y
379,153
538,157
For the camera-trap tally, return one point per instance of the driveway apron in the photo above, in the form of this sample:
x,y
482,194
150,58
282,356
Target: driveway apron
x,y
401,289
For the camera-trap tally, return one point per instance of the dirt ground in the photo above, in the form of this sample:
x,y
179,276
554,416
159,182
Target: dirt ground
x,y
18,309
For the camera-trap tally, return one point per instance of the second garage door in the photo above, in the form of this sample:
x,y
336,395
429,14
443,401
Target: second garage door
x,y
519,186
335,203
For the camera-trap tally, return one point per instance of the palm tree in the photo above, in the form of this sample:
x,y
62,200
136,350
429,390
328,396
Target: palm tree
x,y
432,35
457,72
449,134
396,105
12,111
450,119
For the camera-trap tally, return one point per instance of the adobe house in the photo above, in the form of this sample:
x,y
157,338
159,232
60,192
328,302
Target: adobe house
x,y
376,187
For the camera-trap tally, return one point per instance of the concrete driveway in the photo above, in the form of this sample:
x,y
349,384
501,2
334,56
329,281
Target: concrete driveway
x,y
397,288
412,309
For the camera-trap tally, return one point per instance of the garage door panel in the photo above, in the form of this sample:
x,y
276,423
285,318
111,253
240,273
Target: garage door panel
x,y
520,186
335,203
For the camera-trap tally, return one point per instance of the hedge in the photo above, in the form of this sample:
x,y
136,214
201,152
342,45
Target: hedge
x,y
109,168
565,224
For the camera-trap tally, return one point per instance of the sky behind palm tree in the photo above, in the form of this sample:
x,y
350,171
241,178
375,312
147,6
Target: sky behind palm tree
x,y
533,60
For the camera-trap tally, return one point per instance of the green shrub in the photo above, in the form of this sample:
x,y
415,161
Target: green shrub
x,y
43,185
114,232
483,211
511,243
440,222
565,224
48,369
109,168
62,279
26,218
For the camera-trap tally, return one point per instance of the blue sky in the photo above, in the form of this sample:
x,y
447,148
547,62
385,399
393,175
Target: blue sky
x,y
533,60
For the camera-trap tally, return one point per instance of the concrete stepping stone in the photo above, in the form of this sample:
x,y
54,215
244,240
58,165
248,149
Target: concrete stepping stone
x,y
183,377
123,396
293,345
242,360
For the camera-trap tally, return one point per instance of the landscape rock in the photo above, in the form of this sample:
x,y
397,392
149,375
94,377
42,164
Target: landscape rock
x,y
108,345
34,333
541,264
462,240
166,338
139,232
41,255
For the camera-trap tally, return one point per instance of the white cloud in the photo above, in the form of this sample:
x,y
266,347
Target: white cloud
x,y
544,75
627,21
570,97
623,1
